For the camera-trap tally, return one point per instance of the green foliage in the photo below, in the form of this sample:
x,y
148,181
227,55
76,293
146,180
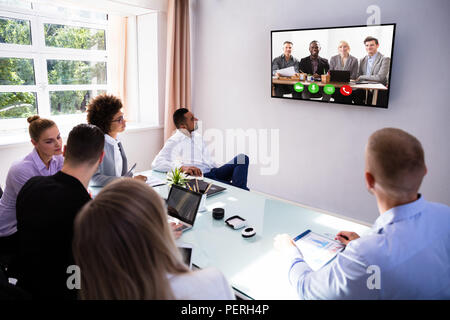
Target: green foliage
x,y
17,105
68,102
15,31
17,71
63,36
75,72
177,177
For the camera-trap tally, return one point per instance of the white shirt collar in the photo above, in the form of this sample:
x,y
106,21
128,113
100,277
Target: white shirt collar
x,y
111,140
185,132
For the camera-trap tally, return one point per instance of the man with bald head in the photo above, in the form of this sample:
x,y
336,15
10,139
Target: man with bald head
x,y
406,255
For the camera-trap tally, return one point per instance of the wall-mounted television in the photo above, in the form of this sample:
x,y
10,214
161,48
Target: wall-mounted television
x,y
348,65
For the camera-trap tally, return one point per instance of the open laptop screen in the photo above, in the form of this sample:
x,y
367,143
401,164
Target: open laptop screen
x,y
183,204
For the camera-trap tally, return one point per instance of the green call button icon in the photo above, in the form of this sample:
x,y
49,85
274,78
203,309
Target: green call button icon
x,y
299,87
313,88
329,89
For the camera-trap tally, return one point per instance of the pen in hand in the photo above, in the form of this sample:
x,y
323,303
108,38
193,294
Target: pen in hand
x,y
345,237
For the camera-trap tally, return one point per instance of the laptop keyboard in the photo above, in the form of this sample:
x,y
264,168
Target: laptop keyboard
x,y
183,226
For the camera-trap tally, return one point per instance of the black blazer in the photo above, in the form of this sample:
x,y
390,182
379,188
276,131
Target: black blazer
x,y
306,66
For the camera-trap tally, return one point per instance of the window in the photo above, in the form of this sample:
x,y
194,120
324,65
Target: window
x,y
53,60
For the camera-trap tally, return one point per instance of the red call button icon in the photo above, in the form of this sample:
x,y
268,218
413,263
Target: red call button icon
x,y
346,90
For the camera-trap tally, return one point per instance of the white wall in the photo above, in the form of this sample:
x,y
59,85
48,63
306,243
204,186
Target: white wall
x,y
321,146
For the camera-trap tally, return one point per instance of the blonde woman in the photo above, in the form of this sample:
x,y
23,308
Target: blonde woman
x,y
344,60
126,250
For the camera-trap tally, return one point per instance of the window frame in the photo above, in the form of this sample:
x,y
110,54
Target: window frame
x,y
40,53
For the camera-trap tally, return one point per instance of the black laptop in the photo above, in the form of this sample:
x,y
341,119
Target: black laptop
x,y
183,204
203,185
339,76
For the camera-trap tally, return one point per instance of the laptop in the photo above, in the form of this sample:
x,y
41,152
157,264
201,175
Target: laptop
x,y
183,204
203,185
339,76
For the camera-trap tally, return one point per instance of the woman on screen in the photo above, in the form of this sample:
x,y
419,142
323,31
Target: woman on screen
x,y
126,250
344,60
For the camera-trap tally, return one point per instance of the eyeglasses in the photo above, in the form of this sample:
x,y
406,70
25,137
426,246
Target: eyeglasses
x,y
119,119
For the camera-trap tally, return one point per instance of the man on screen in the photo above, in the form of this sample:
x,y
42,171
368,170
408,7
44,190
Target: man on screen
x,y
373,67
316,66
406,253
286,60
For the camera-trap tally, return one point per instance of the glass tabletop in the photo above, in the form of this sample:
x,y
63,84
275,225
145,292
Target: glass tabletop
x,y
251,265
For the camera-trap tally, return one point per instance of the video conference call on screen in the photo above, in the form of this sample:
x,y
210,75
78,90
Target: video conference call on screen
x,y
347,65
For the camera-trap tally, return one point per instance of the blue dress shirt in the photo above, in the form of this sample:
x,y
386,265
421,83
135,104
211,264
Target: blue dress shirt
x,y
405,256
370,61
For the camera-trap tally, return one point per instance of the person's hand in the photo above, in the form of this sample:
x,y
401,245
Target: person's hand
x,y
191,170
283,242
175,229
285,245
141,178
346,236
277,74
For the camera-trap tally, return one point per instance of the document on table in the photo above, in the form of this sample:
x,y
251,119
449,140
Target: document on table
x,y
317,250
286,72
154,182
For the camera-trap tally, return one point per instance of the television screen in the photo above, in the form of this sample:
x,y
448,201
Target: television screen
x,y
349,65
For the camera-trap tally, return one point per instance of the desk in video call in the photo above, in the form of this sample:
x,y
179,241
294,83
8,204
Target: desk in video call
x,y
364,86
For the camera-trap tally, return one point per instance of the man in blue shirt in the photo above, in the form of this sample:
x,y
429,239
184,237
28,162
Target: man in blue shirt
x,y
407,253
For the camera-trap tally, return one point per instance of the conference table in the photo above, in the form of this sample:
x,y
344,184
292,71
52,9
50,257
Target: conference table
x,y
252,266
363,86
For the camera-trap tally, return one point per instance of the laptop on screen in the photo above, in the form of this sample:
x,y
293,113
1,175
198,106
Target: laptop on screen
x,y
183,204
339,76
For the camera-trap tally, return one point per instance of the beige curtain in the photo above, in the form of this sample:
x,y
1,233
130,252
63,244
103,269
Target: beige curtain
x,y
178,62
117,57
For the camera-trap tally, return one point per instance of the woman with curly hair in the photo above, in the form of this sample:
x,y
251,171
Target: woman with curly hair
x,y
105,112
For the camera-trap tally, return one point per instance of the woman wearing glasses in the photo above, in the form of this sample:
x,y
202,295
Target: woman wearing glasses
x,y
105,112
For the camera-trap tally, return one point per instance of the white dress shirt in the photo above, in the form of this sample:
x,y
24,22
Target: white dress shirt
x,y
184,149
117,156
410,244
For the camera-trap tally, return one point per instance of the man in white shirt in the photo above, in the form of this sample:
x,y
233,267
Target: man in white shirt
x,y
187,150
407,253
